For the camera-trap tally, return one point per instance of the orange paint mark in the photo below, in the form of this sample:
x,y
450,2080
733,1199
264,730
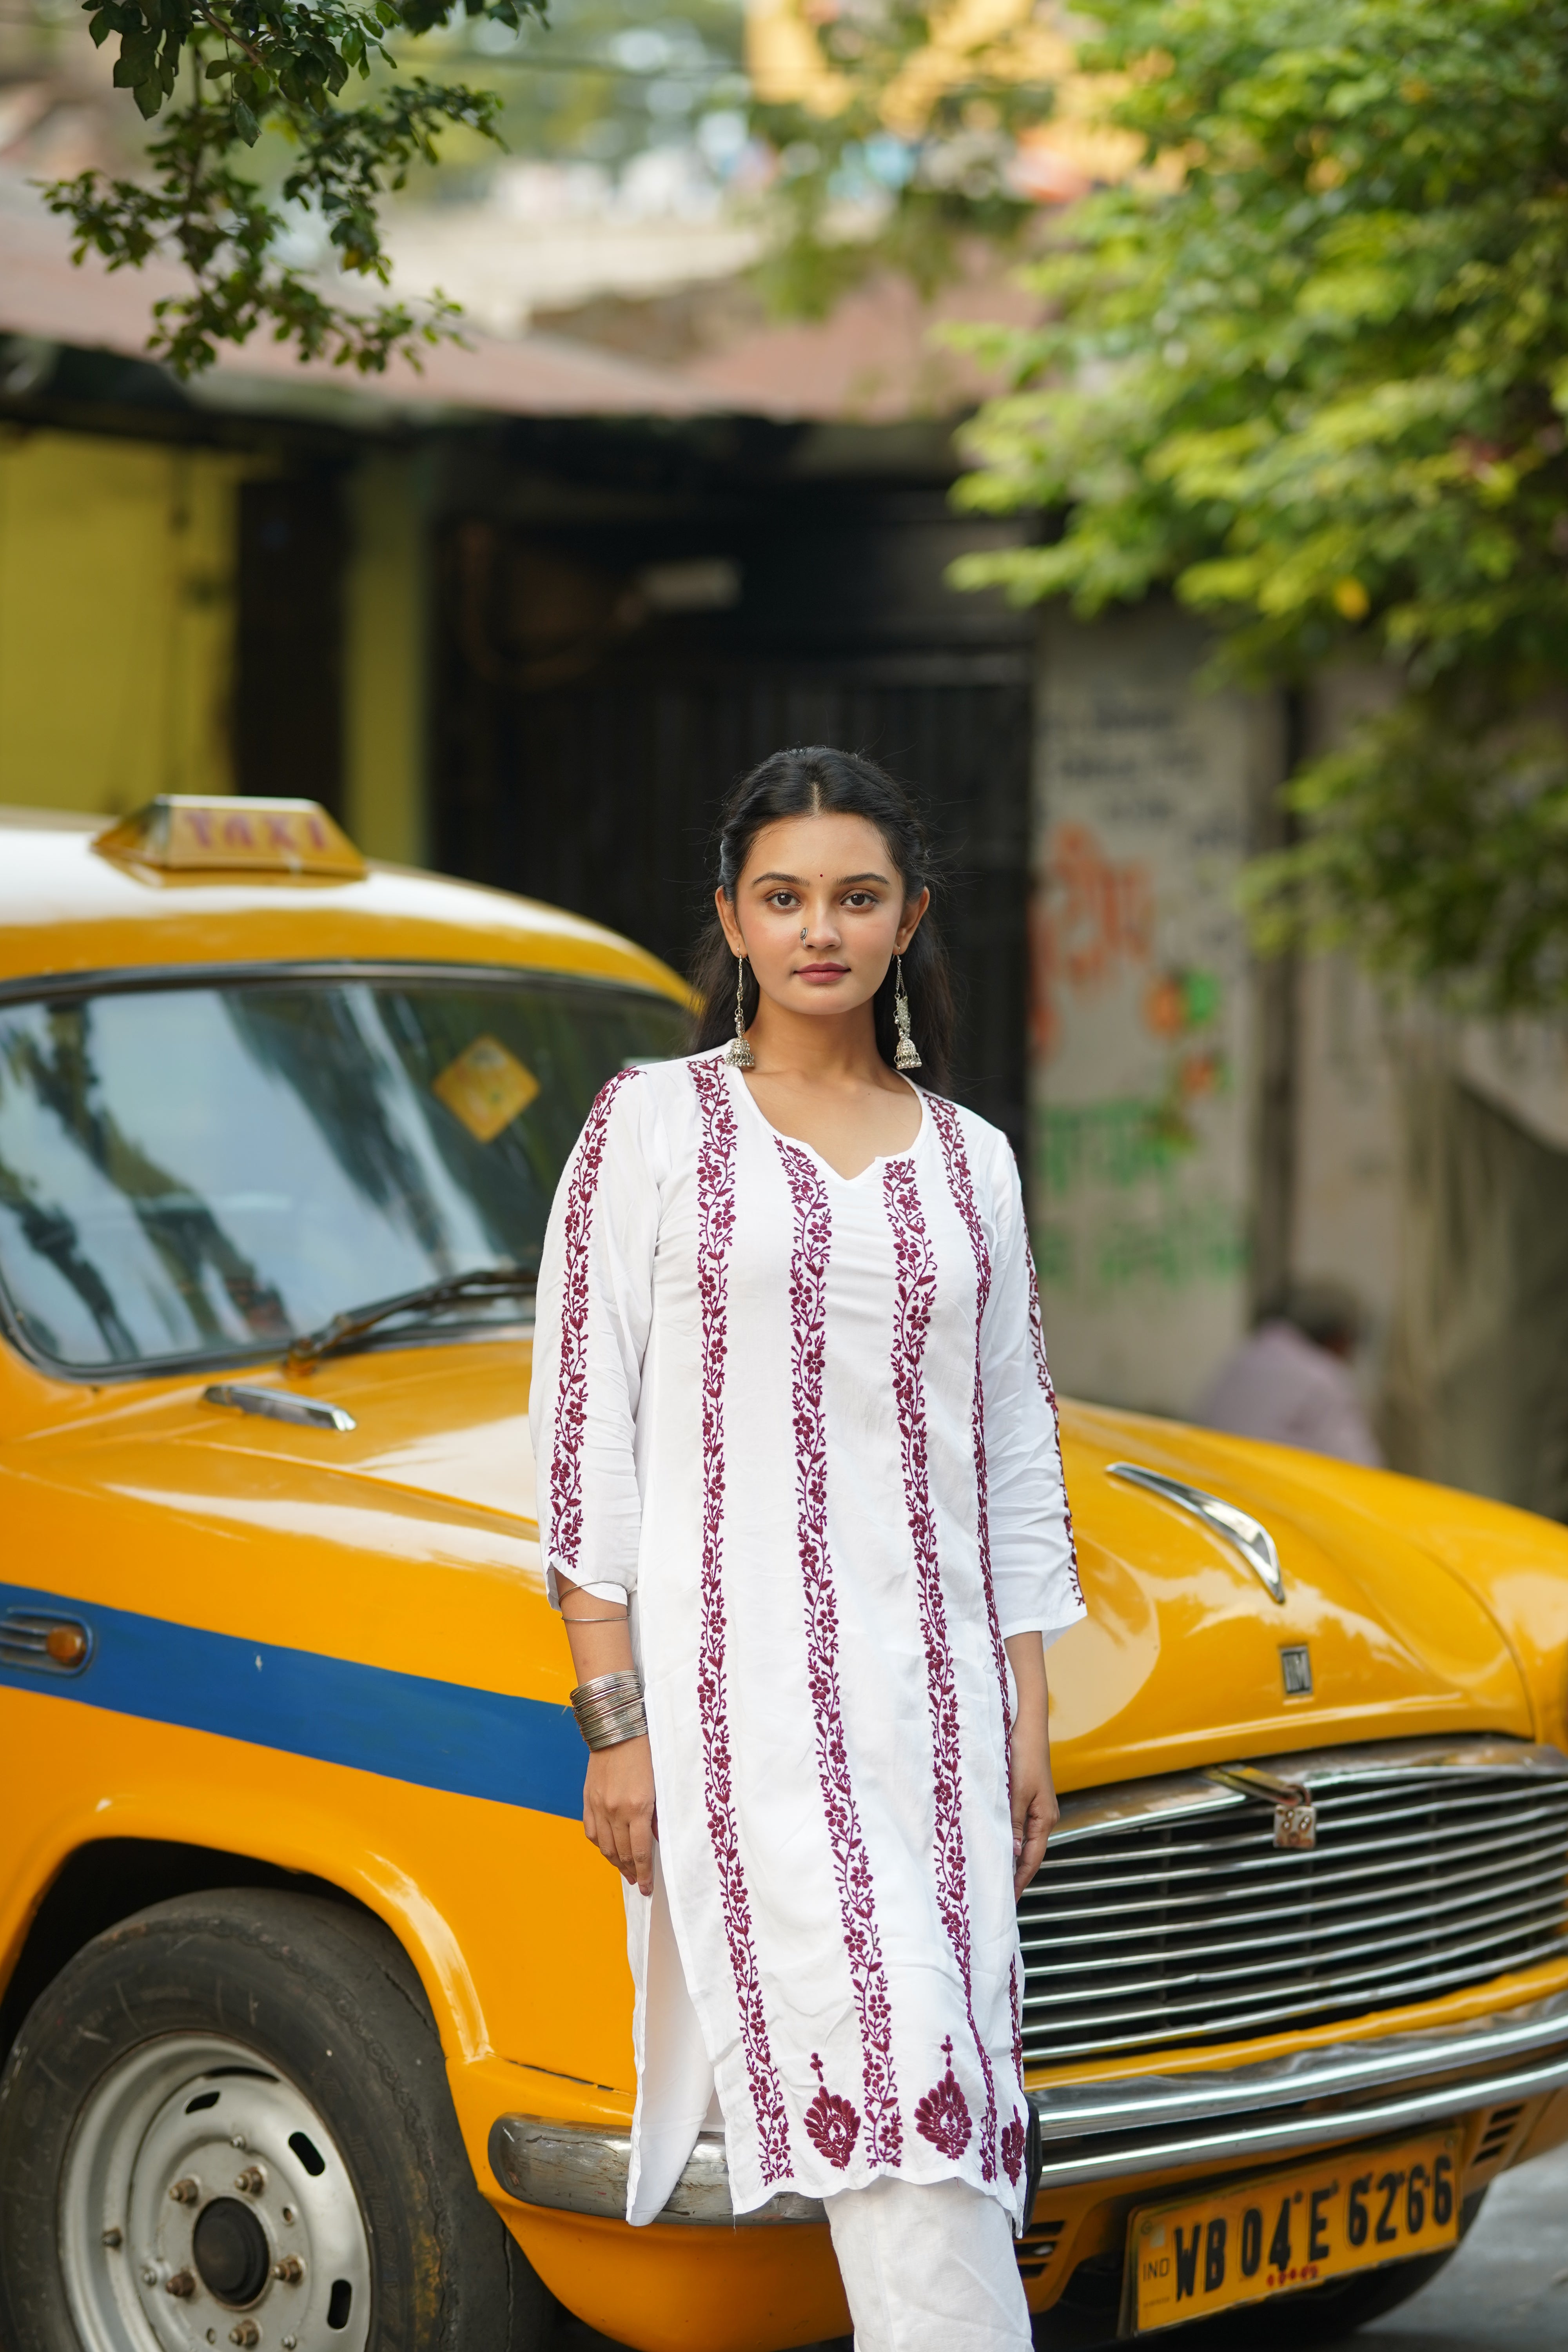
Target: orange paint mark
x,y
1164,1006
1090,918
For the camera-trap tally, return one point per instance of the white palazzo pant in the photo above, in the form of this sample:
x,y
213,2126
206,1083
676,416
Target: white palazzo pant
x,y
927,2267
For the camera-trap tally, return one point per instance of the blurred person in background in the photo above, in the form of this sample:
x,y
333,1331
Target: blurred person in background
x,y
1291,1380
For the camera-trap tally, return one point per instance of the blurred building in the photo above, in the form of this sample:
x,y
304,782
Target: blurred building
x,y
525,615
1205,1129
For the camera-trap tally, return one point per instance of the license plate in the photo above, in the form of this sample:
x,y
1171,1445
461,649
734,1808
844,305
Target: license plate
x,y
1290,2229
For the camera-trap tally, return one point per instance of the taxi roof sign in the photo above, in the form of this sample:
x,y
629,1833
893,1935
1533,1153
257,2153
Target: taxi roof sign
x,y
185,834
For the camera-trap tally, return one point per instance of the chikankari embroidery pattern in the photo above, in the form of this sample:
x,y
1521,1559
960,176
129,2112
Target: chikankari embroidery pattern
x,y
716,1221
572,1390
960,1185
756,1383
851,1864
831,2123
942,2117
1047,1387
916,1290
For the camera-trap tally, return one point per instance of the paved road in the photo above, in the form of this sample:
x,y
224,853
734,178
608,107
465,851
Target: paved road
x,y
1506,2290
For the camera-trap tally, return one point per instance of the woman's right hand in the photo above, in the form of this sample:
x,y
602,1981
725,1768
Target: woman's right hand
x,y
618,1809
617,1794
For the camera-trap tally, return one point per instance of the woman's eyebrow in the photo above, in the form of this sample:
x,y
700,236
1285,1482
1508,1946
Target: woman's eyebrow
x,y
843,883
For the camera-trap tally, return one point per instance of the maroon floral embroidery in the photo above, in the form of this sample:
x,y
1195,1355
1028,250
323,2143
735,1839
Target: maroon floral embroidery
x,y
1042,1373
942,2117
572,1386
960,1185
851,1863
1015,2009
915,1264
715,1231
1013,2148
831,2123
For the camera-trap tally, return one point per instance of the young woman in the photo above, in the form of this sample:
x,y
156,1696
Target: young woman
x,y
802,1507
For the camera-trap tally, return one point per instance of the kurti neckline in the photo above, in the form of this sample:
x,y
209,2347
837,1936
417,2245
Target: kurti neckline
x,y
882,1160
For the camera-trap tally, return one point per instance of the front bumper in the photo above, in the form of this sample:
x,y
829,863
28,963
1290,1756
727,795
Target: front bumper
x,y
578,2169
1340,2091
1130,2128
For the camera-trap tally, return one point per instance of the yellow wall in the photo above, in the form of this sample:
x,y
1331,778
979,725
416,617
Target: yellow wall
x,y
116,619
117,615
383,659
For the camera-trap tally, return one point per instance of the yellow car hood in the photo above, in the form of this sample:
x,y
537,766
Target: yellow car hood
x,y
1178,1662
448,1423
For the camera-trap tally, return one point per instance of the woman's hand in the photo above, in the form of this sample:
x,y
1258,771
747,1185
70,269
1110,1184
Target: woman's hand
x,y
617,1794
1035,1807
618,1809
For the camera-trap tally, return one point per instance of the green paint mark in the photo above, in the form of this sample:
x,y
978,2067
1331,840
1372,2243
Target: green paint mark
x,y
1115,1144
1188,1243
1200,997
1055,1252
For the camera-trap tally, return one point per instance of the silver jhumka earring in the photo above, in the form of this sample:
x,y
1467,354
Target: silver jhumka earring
x,y
737,1052
905,1055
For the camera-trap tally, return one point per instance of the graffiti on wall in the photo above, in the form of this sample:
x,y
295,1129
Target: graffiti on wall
x,y
1138,1013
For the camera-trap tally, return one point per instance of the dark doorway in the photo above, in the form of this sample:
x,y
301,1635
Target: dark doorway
x,y
288,701
585,742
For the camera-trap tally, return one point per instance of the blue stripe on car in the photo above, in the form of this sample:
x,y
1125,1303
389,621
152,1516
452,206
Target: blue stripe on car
x,y
437,1734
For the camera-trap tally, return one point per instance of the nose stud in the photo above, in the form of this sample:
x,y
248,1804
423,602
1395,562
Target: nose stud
x,y
802,930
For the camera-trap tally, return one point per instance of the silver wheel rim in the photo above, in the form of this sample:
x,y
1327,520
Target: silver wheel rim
x,y
196,2173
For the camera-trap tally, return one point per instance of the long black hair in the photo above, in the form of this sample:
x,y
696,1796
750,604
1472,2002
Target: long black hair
x,y
819,782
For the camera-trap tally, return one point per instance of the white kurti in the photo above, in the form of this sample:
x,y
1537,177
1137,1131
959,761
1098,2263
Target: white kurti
x,y
806,1422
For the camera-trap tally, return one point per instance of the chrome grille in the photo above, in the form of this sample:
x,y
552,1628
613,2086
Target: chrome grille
x,y
1165,1914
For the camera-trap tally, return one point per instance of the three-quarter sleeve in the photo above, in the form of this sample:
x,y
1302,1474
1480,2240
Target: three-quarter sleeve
x,y
594,1309
1033,1560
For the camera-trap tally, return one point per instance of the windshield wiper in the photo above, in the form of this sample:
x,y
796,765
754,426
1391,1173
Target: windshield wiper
x,y
485,1282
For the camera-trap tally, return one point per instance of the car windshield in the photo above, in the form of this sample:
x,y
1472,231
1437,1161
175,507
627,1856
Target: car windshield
x,y
199,1173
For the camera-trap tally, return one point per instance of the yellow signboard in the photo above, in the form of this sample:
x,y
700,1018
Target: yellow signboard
x,y
182,835
486,1087
1292,2229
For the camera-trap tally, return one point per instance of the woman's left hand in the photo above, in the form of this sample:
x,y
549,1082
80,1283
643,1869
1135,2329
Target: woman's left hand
x,y
1035,1807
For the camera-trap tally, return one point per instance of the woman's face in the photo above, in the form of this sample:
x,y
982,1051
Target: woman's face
x,y
820,911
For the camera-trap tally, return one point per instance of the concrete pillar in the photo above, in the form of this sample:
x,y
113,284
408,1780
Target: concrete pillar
x,y
1144,1031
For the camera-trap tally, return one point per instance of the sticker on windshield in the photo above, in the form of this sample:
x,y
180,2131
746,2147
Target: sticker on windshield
x,y
486,1087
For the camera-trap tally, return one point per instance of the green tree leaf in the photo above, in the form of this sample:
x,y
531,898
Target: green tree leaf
x,y
285,64
1306,369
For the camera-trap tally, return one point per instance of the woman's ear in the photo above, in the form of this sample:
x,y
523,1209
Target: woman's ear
x,y
730,927
914,909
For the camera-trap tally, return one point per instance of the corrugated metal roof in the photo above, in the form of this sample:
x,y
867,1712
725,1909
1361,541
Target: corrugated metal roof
x,y
43,294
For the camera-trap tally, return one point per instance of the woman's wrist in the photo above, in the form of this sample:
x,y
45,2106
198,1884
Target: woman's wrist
x,y
609,1710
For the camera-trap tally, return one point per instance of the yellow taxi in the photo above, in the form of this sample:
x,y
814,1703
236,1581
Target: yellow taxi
x,y
314,1997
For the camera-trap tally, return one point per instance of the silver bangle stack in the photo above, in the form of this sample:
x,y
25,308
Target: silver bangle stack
x,y
610,1709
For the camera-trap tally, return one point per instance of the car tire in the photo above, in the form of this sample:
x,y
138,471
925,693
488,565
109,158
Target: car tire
x,y
227,2121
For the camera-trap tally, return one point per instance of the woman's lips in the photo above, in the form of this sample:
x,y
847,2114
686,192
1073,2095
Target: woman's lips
x,y
822,971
